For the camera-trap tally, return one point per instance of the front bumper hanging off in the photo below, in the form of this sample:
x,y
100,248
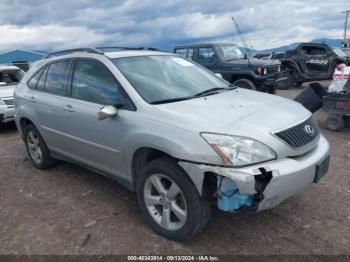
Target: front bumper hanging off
x,y
268,183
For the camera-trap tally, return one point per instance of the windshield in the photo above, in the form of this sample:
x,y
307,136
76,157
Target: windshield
x,y
9,78
229,52
161,77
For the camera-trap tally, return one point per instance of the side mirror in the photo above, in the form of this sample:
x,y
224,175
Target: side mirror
x,y
245,56
218,75
106,112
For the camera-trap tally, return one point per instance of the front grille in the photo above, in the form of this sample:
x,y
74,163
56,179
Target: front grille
x,y
300,135
8,101
272,70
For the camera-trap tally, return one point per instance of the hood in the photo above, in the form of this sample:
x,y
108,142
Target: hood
x,y
238,112
253,62
7,91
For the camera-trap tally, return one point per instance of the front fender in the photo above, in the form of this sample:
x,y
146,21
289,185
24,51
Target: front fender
x,y
179,143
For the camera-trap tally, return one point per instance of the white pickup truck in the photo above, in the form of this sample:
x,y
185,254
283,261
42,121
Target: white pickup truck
x,y
9,78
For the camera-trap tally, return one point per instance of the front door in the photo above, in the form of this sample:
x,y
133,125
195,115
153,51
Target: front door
x,y
95,143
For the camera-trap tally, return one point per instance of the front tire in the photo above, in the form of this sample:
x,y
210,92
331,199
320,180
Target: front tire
x,y
170,201
37,149
245,83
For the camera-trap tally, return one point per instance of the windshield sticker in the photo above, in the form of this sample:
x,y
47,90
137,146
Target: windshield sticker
x,y
182,62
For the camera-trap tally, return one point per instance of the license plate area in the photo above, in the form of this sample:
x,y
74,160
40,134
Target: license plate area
x,y
321,169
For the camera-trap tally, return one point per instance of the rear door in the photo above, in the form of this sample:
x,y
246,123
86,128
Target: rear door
x,y
95,143
48,101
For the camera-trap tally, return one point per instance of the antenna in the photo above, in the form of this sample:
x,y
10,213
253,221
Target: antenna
x,y
241,37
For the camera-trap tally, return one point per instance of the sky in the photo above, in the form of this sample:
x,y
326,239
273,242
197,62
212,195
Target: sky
x,y
51,25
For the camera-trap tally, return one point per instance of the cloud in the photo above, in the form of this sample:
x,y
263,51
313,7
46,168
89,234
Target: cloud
x,y
48,25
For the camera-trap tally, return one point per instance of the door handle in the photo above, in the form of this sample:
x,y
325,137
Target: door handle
x,y
68,108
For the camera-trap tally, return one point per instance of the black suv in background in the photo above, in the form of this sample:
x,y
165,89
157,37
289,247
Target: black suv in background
x,y
235,67
311,62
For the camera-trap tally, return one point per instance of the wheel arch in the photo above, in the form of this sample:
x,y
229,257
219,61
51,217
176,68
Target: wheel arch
x,y
141,157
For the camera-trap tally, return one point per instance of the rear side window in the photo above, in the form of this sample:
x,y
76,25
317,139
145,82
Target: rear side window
x,y
56,79
93,82
41,82
34,80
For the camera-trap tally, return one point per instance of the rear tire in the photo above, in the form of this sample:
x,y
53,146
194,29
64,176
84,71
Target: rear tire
x,y
335,122
195,211
37,149
245,83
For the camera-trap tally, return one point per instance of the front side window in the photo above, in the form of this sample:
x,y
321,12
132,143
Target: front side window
x,y
93,82
206,55
313,51
161,77
56,79
229,52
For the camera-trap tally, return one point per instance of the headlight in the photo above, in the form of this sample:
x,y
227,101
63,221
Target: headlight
x,y
1,102
239,151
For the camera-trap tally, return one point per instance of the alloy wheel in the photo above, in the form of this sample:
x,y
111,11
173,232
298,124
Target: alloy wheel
x,y
165,202
34,148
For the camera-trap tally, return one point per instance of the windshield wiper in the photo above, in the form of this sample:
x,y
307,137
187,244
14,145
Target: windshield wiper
x,y
214,90
210,91
170,100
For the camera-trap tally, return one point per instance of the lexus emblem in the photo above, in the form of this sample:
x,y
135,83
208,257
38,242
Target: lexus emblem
x,y
309,130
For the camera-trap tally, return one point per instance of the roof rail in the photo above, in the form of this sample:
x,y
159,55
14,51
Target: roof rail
x,y
120,48
74,50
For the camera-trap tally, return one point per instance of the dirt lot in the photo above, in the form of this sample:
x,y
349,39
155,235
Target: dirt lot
x,y
50,212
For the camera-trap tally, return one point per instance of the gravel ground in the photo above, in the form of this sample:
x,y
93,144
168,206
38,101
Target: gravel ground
x,y
51,212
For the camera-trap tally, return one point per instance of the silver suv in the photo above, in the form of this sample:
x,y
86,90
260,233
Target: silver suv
x,y
180,136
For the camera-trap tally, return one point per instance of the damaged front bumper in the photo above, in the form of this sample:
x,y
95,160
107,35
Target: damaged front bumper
x,y
272,182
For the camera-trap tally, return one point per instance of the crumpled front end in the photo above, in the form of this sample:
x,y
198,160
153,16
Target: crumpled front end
x,y
262,186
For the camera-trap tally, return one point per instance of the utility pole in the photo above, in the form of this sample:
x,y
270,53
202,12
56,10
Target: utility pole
x,y
346,23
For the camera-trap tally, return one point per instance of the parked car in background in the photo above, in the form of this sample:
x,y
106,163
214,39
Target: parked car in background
x,y
311,62
235,67
180,136
9,78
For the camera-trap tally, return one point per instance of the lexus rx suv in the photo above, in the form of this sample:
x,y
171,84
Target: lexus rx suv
x,y
182,138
